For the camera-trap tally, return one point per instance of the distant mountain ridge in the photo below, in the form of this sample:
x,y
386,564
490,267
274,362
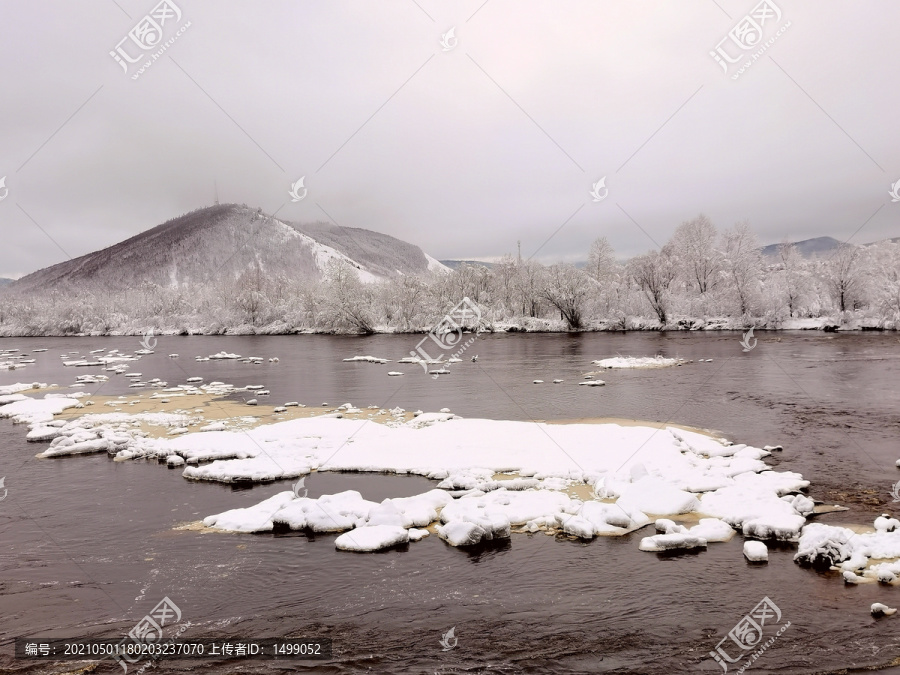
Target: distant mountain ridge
x,y
456,264
222,241
807,247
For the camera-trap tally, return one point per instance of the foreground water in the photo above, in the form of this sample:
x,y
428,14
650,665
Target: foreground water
x,y
89,546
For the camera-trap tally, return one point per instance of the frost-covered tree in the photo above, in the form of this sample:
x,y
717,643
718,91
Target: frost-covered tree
x,y
694,247
792,275
654,273
601,260
346,301
566,288
843,276
528,287
884,263
503,287
404,302
742,266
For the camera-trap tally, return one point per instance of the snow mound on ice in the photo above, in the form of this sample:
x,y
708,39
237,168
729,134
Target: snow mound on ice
x,y
669,542
256,518
372,538
368,359
329,513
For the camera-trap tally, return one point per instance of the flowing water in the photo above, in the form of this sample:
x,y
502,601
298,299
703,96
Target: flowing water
x,y
89,546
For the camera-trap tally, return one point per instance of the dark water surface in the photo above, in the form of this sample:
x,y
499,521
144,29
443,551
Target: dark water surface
x,y
88,546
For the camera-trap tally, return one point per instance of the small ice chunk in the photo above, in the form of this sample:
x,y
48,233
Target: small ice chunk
x,y
824,545
884,523
775,526
416,534
174,460
576,525
756,551
668,542
371,538
878,609
214,426
713,529
460,533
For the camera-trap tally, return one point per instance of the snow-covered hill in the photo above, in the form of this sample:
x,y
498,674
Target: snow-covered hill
x,y
220,242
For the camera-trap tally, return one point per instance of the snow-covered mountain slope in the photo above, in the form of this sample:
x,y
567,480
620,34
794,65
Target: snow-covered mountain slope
x,y
381,254
221,242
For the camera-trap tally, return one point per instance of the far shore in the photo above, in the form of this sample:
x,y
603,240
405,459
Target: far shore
x,y
637,324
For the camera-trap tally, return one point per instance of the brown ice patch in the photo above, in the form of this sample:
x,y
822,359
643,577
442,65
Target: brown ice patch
x,y
202,409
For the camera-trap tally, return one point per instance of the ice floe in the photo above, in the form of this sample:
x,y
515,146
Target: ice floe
x,y
372,538
368,359
823,545
756,551
637,362
495,477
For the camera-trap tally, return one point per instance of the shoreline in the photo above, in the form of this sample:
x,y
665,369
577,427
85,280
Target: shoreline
x,y
635,325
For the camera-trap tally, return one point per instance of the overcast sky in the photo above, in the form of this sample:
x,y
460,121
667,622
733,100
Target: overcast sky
x,y
463,148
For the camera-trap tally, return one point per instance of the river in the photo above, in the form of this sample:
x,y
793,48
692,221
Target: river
x,y
89,544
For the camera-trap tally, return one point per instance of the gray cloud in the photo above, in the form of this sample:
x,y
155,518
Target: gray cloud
x,y
463,152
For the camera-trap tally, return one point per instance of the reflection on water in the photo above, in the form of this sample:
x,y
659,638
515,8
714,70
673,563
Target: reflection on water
x,y
89,545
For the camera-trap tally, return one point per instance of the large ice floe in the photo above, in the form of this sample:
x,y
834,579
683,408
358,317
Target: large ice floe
x,y
492,477
637,362
636,473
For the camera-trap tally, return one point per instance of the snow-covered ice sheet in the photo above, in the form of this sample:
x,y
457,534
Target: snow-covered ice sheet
x,y
36,410
637,473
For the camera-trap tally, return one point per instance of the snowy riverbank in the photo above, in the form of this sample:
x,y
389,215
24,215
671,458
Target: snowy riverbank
x,y
848,322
